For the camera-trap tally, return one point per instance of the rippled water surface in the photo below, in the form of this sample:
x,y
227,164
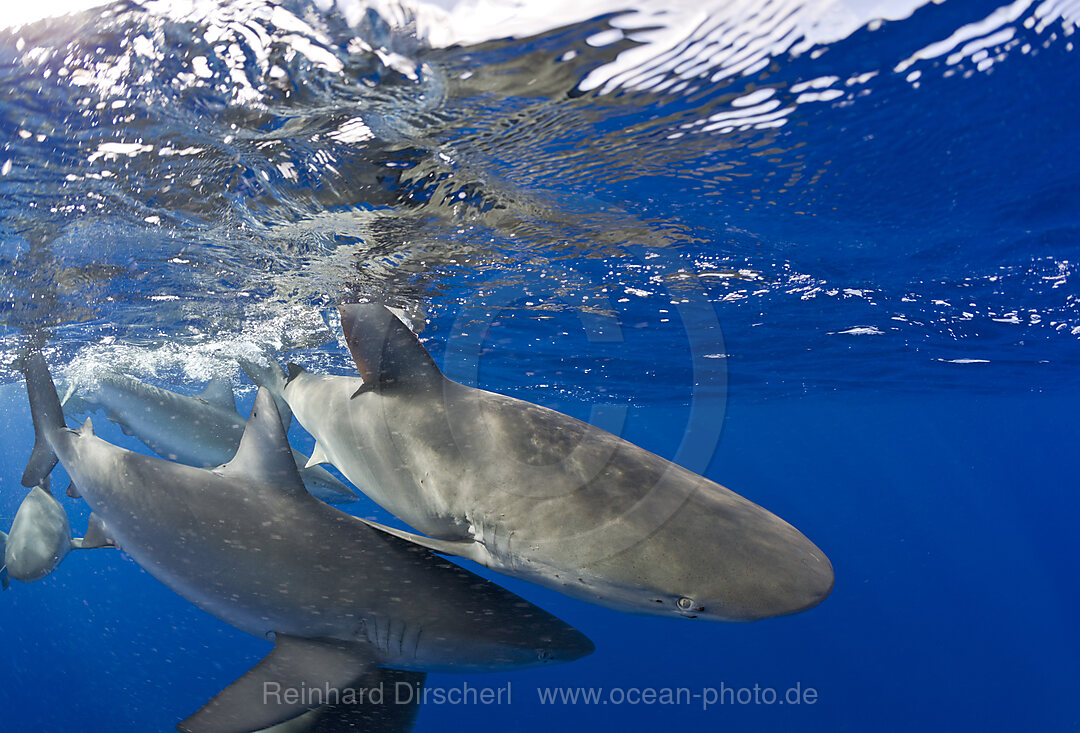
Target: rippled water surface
x,y
886,208
846,231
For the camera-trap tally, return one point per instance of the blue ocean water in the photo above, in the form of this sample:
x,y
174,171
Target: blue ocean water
x,y
826,260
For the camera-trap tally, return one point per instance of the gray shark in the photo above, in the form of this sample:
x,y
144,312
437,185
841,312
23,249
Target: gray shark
x,y
40,538
536,494
247,543
201,431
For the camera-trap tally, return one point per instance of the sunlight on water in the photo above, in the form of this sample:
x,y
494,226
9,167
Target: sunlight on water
x,y
202,172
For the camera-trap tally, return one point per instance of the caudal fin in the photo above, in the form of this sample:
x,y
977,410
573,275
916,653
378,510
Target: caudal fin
x,y
273,378
48,418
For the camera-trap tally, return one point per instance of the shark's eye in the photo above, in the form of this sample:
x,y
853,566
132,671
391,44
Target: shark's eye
x,y
685,604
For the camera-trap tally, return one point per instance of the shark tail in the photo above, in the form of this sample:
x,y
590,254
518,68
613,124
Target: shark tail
x,y
273,378
48,418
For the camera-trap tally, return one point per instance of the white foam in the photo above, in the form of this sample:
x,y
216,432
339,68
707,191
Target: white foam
x,y
17,14
200,357
862,331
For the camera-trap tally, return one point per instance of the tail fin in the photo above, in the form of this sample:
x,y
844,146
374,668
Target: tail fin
x,y
273,378
48,418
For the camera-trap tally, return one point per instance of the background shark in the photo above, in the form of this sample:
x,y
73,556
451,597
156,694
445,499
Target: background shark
x,y
201,431
40,538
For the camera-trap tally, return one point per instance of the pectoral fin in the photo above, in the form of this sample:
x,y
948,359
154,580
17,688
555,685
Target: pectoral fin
x,y
279,688
318,456
96,536
468,549
322,484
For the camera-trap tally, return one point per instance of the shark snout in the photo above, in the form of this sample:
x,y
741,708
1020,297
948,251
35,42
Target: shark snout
x,y
569,645
795,581
536,640
812,583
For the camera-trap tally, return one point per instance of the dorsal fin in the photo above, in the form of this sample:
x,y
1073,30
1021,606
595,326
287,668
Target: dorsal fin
x,y
264,453
294,371
219,392
387,354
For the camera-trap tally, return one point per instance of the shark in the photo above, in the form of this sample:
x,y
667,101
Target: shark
x,y
201,430
40,538
536,494
249,544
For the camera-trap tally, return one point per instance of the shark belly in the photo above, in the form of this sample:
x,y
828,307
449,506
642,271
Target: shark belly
x,y
172,426
224,567
361,443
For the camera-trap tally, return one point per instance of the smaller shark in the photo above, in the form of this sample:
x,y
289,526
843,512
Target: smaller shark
x,y
202,431
40,538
